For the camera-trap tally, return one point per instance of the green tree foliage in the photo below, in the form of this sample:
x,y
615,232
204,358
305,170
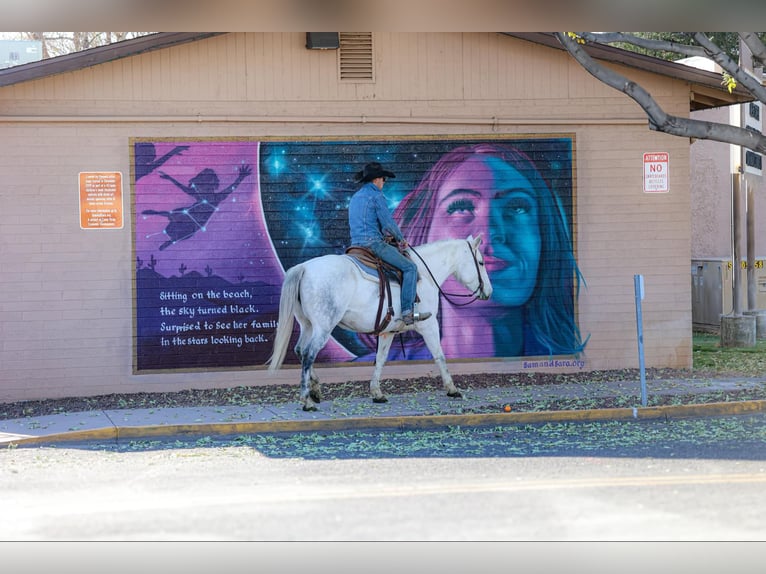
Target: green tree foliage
x,y
727,41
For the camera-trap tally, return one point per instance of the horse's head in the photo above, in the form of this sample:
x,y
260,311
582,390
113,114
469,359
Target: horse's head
x,y
473,273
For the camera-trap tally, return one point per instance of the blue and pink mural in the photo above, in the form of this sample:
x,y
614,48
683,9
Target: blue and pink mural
x,y
218,222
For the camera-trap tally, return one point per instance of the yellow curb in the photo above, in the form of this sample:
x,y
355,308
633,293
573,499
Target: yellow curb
x,y
106,433
400,422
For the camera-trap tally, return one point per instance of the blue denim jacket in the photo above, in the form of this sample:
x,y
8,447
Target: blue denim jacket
x,y
369,217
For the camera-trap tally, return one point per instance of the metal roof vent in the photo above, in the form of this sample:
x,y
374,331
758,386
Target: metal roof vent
x,y
355,62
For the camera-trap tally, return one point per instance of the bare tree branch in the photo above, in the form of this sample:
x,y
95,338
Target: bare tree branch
x,y
752,41
722,59
659,120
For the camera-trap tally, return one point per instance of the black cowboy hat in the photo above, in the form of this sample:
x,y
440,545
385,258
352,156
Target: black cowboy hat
x,y
372,171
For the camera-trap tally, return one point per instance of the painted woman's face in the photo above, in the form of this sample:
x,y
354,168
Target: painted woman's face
x,y
486,195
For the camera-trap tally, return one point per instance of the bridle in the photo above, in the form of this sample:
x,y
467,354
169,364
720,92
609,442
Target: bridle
x,y
447,296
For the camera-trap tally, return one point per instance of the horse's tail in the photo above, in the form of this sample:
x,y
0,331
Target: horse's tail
x,y
288,306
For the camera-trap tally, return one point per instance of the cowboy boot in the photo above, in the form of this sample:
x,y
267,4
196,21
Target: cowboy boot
x,y
410,317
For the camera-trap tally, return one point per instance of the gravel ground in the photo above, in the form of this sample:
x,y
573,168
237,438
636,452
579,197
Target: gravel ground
x,y
275,394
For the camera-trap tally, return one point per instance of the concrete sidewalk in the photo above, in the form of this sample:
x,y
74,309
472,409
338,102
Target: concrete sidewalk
x,y
416,410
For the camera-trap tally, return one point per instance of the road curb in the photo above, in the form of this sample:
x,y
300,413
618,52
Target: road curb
x,y
404,422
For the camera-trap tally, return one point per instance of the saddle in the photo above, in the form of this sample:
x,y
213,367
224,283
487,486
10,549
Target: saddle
x,y
386,272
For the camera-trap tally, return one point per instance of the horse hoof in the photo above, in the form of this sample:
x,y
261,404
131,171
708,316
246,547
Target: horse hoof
x,y
380,400
310,409
455,395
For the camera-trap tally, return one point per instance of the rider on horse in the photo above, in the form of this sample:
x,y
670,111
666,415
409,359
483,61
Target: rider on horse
x,y
371,222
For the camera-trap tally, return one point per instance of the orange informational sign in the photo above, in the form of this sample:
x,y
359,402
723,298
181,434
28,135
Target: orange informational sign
x,y
100,200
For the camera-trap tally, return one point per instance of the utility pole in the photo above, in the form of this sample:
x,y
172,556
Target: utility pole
x,y
738,329
752,293
752,169
750,119
736,224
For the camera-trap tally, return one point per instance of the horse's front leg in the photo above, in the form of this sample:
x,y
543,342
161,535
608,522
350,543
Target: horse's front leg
x,y
384,345
431,336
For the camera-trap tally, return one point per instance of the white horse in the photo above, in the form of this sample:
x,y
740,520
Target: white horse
x,y
331,290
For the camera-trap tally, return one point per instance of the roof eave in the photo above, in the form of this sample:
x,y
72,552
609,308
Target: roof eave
x,y
705,87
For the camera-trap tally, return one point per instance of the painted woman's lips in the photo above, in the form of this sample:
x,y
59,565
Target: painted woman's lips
x,y
494,264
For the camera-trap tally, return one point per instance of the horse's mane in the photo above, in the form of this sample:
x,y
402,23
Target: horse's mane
x,y
435,245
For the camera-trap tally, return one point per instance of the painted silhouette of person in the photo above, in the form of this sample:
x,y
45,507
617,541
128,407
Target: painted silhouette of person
x,y
184,222
147,160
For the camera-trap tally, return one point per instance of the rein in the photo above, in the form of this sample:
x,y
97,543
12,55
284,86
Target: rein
x,y
448,295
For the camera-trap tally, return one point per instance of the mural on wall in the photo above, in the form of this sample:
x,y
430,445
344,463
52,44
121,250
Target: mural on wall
x,y
218,222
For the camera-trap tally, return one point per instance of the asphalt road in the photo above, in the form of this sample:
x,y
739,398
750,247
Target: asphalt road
x,y
694,479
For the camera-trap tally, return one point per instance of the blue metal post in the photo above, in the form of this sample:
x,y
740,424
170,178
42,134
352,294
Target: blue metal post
x,y
638,285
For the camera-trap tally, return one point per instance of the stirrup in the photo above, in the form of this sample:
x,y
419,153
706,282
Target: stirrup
x,y
411,318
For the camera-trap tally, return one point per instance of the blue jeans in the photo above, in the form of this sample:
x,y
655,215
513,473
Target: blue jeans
x,y
391,254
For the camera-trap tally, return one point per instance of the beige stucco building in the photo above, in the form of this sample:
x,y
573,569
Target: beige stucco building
x,y
69,318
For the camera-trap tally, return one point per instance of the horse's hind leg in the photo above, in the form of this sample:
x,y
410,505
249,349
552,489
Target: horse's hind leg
x,y
315,389
309,404
431,337
306,334
310,394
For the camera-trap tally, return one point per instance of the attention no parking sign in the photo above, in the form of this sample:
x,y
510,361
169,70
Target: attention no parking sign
x,y
656,178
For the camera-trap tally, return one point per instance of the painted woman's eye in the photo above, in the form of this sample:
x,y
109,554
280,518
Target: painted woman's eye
x,y
519,205
461,206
